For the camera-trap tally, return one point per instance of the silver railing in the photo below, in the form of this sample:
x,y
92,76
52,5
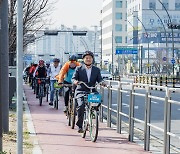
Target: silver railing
x,y
131,91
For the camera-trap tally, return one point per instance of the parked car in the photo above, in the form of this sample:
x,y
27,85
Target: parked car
x,y
106,75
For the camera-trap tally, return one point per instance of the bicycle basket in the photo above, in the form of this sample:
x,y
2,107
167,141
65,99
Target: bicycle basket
x,y
56,85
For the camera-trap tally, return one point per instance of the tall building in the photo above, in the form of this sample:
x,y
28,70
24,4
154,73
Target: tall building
x,y
114,32
62,44
148,30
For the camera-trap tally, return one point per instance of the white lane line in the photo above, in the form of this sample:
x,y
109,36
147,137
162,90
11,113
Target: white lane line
x,y
178,109
154,102
126,105
114,104
127,95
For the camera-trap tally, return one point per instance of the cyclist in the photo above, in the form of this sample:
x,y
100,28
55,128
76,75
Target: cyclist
x,y
67,71
40,72
53,72
90,75
31,72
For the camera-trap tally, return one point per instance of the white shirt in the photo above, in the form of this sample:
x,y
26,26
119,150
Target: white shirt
x,y
54,71
88,72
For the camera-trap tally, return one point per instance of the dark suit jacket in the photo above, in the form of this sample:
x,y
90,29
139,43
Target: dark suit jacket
x,y
81,75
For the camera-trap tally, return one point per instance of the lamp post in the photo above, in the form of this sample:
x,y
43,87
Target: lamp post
x,y
19,77
147,39
171,31
165,34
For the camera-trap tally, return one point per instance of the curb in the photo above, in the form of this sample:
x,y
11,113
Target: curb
x,y
36,148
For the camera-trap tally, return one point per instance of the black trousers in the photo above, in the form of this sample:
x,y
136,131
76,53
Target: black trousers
x,y
81,109
66,93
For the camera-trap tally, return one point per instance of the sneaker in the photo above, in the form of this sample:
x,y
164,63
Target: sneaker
x,y
65,109
80,130
51,103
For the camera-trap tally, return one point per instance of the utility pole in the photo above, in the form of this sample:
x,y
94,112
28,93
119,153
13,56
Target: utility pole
x,y
4,63
4,79
19,76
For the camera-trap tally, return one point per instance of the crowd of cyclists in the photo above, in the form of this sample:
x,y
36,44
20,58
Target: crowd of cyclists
x,y
72,72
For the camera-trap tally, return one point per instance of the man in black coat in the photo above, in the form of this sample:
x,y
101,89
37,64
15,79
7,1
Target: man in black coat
x,y
90,75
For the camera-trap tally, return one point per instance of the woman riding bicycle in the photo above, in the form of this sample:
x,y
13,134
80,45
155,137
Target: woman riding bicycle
x,y
89,74
65,76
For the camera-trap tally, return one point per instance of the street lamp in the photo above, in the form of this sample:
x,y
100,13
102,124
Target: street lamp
x,y
147,36
136,42
165,34
171,31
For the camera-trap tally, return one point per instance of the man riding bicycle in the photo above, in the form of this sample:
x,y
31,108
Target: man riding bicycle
x,y
52,73
65,75
89,74
40,72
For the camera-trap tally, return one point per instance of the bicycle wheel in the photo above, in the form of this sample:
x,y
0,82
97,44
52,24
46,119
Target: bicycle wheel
x,y
47,93
56,107
69,111
94,124
73,113
85,126
40,94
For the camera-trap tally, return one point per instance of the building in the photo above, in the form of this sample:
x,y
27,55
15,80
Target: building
x,y
57,43
147,24
114,33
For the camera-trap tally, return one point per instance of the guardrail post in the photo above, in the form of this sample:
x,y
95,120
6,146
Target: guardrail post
x,y
168,121
119,108
166,81
109,106
147,120
156,82
165,125
151,82
161,82
131,115
174,82
101,108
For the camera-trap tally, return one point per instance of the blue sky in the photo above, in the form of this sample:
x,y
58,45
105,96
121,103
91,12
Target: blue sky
x,y
83,13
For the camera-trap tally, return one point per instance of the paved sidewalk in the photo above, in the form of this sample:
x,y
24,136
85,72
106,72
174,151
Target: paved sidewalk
x,y
55,137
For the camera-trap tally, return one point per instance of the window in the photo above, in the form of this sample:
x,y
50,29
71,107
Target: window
x,y
118,27
126,28
126,39
177,5
118,4
118,16
152,4
118,39
166,4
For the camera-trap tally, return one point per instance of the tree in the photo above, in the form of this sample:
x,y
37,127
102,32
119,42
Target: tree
x,y
34,11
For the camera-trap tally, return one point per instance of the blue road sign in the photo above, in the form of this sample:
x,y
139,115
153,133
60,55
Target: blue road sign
x,y
164,58
126,50
27,58
173,61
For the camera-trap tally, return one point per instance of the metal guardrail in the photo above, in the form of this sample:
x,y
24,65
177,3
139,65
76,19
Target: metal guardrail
x,y
147,98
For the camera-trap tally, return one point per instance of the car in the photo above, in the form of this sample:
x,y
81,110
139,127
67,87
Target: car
x,y
106,75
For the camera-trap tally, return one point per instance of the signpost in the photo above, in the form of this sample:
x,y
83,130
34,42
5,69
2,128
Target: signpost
x,y
126,50
173,61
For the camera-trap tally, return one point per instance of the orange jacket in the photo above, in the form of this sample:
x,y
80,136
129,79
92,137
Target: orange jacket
x,y
64,70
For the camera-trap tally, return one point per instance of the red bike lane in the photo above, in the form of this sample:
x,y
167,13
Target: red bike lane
x,y
56,137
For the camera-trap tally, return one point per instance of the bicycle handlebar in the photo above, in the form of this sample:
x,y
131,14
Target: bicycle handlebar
x,y
81,82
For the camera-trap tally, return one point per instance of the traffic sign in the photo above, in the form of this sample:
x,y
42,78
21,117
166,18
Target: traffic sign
x,y
27,58
164,58
127,50
173,61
